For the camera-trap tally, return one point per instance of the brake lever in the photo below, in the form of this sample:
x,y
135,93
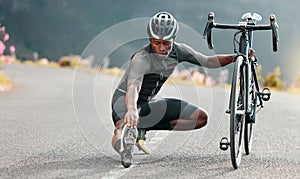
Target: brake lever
x,y
209,24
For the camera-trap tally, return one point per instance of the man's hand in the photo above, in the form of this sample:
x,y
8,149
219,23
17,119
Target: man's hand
x,y
131,118
251,53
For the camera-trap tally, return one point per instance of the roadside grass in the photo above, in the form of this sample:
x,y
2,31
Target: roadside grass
x,y
113,72
293,89
5,83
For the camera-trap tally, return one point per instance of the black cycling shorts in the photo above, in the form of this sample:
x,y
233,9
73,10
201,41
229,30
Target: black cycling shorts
x,y
155,114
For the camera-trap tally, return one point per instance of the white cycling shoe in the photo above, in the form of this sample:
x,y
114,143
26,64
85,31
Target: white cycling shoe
x,y
128,140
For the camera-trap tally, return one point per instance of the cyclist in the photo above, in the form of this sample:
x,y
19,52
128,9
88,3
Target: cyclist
x,y
134,108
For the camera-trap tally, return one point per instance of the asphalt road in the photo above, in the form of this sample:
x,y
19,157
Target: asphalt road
x,y
55,123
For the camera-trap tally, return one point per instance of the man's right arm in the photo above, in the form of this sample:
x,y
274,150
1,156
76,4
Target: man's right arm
x,y
138,67
132,116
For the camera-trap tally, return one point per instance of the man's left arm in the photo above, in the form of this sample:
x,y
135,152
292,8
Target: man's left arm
x,y
188,54
217,61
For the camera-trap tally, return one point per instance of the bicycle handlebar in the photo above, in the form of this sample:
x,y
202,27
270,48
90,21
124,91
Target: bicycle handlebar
x,y
207,31
243,27
275,33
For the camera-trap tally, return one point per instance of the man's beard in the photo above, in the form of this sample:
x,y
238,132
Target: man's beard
x,y
162,56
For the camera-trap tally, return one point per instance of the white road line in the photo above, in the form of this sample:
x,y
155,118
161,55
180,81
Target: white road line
x,y
153,142
117,172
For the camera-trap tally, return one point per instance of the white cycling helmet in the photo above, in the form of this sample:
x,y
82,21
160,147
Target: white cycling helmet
x,y
162,26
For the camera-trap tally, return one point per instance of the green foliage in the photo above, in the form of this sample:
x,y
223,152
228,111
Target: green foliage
x,y
272,80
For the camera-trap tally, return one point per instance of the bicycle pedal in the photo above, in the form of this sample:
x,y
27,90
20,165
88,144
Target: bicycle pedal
x,y
265,94
224,143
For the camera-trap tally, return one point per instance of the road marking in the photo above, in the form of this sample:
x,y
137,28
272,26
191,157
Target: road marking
x,y
154,142
117,172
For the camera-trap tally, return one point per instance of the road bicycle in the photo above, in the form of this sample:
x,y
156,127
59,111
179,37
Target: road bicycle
x,y
246,98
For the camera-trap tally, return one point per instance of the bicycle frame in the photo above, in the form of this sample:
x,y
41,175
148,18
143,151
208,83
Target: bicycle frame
x,y
246,42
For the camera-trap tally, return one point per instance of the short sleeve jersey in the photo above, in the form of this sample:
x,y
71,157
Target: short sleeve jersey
x,y
150,72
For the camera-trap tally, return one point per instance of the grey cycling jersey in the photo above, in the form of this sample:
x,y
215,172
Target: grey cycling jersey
x,y
150,72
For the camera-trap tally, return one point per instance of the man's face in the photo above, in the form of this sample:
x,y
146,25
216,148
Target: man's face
x,y
161,48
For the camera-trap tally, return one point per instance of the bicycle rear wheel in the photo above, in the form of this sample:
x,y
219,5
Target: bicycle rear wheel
x,y
237,113
248,137
249,125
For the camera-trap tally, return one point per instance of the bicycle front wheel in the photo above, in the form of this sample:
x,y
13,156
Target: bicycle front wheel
x,y
237,113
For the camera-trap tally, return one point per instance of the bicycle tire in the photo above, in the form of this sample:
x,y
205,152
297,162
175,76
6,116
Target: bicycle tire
x,y
237,114
249,125
248,137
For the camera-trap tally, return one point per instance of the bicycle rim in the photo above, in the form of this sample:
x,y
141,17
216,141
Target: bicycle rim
x,y
237,115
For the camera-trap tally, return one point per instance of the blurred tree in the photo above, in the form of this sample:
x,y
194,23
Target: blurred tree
x,y
272,80
260,78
